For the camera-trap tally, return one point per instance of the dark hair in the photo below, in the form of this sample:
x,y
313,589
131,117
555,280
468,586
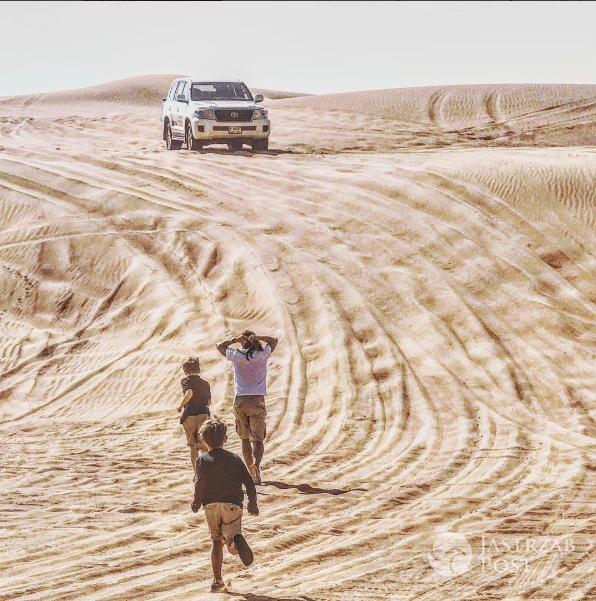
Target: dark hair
x,y
213,432
191,365
253,346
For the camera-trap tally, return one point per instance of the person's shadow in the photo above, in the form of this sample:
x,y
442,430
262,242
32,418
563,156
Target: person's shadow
x,y
307,489
255,597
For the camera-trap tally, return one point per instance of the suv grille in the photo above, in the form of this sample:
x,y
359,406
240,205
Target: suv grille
x,y
233,114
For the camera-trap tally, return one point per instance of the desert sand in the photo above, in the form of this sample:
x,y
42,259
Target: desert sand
x,y
427,258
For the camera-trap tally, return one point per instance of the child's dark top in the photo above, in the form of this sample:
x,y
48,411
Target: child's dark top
x,y
201,395
220,476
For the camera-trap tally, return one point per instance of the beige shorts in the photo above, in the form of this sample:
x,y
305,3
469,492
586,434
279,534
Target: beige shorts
x,y
250,414
225,522
191,427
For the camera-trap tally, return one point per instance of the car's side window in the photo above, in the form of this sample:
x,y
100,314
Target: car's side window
x,y
171,90
175,88
183,89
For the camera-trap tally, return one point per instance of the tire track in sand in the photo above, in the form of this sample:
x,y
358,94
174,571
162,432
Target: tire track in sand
x,y
393,406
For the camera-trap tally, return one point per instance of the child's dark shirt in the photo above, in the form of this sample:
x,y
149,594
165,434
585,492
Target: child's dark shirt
x,y
220,476
201,394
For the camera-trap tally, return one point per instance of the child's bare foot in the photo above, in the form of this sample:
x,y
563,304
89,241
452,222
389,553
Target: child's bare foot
x,y
218,587
255,473
244,551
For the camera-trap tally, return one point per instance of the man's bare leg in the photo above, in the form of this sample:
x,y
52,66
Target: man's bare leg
x,y
258,449
247,452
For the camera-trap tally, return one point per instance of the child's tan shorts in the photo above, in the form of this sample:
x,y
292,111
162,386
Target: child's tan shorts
x,y
225,522
250,414
191,427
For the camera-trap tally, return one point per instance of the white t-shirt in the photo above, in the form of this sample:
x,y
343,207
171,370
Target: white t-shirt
x,y
250,376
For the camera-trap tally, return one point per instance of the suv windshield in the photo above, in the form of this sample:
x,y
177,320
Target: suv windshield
x,y
219,91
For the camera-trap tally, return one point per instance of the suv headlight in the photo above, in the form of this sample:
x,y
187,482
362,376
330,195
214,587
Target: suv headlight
x,y
205,114
259,113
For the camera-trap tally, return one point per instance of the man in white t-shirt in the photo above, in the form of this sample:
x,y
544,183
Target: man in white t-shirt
x,y
250,384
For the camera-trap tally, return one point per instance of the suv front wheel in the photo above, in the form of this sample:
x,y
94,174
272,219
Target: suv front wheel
x,y
262,144
167,135
191,142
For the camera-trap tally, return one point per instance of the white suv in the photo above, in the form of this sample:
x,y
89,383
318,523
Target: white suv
x,y
197,112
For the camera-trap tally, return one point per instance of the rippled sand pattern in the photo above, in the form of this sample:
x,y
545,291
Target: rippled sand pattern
x,y
431,279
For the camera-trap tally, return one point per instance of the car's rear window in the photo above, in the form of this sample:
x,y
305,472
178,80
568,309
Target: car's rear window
x,y
219,91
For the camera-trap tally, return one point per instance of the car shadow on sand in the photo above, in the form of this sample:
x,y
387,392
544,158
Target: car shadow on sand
x,y
244,152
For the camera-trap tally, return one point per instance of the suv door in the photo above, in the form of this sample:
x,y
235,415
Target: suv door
x,y
169,110
180,109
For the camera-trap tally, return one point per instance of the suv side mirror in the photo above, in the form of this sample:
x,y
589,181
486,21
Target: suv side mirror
x,y
181,98
259,98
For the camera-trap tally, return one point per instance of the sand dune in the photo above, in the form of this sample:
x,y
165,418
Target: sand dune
x,y
427,259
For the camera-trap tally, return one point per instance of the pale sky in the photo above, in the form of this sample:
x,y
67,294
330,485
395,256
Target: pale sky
x,y
310,47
